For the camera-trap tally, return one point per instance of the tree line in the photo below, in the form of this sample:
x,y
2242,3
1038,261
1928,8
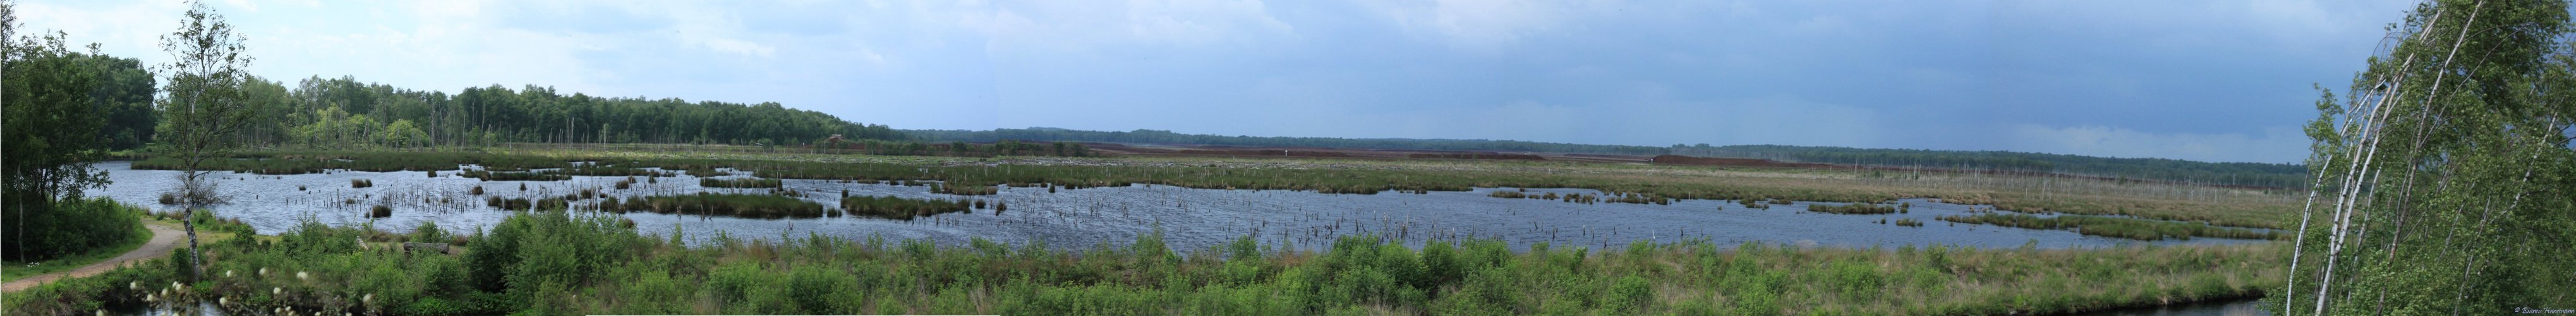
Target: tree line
x,y
2159,169
1169,137
344,113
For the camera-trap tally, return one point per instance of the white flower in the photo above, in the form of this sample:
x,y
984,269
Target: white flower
x,y
147,297
299,275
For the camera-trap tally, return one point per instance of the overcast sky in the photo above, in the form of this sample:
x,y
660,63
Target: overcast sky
x,y
2198,80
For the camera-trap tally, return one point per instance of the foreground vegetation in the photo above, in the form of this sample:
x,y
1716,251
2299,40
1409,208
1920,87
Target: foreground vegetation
x,y
559,263
73,248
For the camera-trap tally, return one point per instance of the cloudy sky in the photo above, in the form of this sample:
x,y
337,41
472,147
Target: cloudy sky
x,y
2199,80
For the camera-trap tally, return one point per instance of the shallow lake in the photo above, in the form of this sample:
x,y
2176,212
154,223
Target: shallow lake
x,y
1074,218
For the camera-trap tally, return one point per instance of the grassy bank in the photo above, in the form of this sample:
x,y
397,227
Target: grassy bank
x,y
2130,228
551,263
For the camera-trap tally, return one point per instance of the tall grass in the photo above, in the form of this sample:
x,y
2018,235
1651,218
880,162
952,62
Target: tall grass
x,y
553,263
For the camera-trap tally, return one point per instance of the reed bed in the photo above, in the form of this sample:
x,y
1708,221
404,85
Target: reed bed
x,y
900,208
735,205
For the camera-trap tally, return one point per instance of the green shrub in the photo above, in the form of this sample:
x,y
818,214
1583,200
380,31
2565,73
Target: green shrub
x,y
1630,293
56,229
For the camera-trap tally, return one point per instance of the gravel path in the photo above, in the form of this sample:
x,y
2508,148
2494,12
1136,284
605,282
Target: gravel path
x,y
164,237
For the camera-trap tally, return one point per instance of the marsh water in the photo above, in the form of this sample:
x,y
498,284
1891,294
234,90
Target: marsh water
x,y
1076,218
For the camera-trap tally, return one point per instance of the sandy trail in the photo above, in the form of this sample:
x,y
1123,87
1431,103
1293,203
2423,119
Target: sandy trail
x,y
165,236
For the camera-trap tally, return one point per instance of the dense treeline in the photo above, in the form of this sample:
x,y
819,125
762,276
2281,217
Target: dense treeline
x,y
1168,137
343,112
58,106
2159,169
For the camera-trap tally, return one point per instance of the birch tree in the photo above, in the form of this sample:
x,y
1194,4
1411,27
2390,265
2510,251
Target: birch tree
x,y
204,104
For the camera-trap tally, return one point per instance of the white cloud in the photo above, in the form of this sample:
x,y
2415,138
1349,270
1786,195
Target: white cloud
x,y
2275,145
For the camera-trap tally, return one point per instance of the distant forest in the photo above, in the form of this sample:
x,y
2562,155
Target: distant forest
x,y
344,113
2157,169
2221,173
1168,137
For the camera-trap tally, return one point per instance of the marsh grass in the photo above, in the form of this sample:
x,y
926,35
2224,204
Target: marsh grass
x,y
1852,208
735,205
893,207
559,263
2131,228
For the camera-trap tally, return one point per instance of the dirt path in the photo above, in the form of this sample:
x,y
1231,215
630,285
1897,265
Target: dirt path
x,y
164,237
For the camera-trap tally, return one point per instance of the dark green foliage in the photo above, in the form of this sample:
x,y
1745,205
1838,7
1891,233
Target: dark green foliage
x,y
894,207
56,120
513,204
429,232
740,183
71,227
736,205
2131,228
361,183
380,211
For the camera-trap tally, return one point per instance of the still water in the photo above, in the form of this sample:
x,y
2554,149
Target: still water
x,y
1075,218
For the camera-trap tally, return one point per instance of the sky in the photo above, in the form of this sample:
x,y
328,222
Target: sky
x,y
2195,80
